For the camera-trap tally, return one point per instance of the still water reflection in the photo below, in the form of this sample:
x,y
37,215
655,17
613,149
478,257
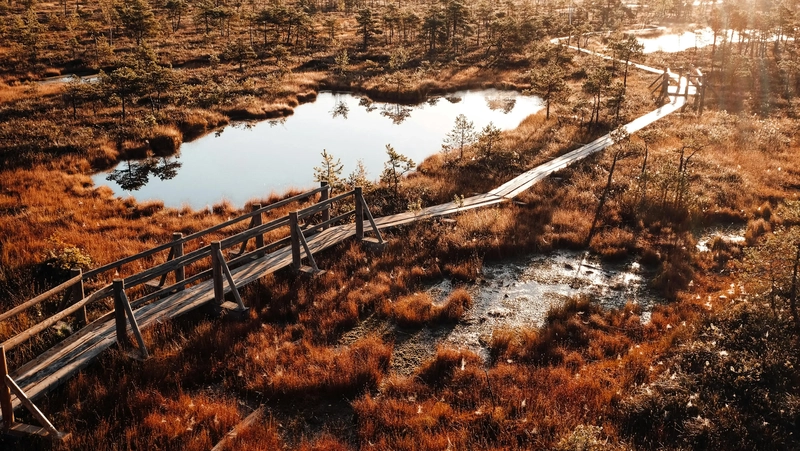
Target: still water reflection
x,y
245,161
678,41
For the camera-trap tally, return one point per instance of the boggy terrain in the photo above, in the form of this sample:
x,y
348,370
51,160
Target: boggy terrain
x,y
713,368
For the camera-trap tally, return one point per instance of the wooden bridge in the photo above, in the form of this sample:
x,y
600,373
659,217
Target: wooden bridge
x,y
164,290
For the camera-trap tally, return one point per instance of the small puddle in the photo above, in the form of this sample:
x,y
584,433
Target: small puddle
x,y
68,78
732,234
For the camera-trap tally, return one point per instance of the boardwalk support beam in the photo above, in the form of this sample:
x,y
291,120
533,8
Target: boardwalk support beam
x,y
238,308
51,431
119,314
6,408
298,239
177,251
122,309
257,221
359,213
376,244
216,273
323,196
294,231
76,294
10,426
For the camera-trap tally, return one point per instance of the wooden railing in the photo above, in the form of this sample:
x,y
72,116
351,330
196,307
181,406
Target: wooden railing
x,y
316,218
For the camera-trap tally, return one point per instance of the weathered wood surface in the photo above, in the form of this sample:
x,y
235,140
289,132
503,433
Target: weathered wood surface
x,y
228,439
59,363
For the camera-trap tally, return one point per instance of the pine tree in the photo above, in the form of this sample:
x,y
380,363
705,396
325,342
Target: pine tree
x,y
394,169
462,135
330,171
547,82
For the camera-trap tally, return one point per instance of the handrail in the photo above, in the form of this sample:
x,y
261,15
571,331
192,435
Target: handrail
x,y
165,246
203,252
26,335
168,289
305,212
168,266
42,297
250,233
333,220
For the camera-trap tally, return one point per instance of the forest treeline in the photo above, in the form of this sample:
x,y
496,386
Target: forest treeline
x,y
170,70
40,38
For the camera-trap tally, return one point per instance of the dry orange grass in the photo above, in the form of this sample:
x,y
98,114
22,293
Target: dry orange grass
x,y
290,370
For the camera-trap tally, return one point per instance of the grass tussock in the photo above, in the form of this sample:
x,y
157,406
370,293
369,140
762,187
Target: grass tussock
x,y
419,309
165,140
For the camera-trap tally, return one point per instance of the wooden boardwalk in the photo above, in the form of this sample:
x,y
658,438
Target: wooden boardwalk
x,y
74,353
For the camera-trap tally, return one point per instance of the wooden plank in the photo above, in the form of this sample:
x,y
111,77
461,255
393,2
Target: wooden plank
x,y
320,206
254,232
74,343
171,289
41,298
26,430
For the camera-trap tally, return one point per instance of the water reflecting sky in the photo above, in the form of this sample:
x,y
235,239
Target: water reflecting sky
x,y
246,161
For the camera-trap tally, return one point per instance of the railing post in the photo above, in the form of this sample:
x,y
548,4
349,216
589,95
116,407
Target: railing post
x,y
118,286
359,200
5,393
216,265
295,236
177,252
78,293
323,196
702,94
257,222
686,88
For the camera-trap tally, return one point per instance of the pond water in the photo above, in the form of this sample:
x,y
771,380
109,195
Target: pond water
x,y
677,41
68,78
249,160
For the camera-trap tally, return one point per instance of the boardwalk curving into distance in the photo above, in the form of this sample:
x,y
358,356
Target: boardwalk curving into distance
x,y
223,275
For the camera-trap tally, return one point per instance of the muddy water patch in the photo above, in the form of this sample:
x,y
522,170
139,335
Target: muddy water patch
x,y
513,295
519,294
733,234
